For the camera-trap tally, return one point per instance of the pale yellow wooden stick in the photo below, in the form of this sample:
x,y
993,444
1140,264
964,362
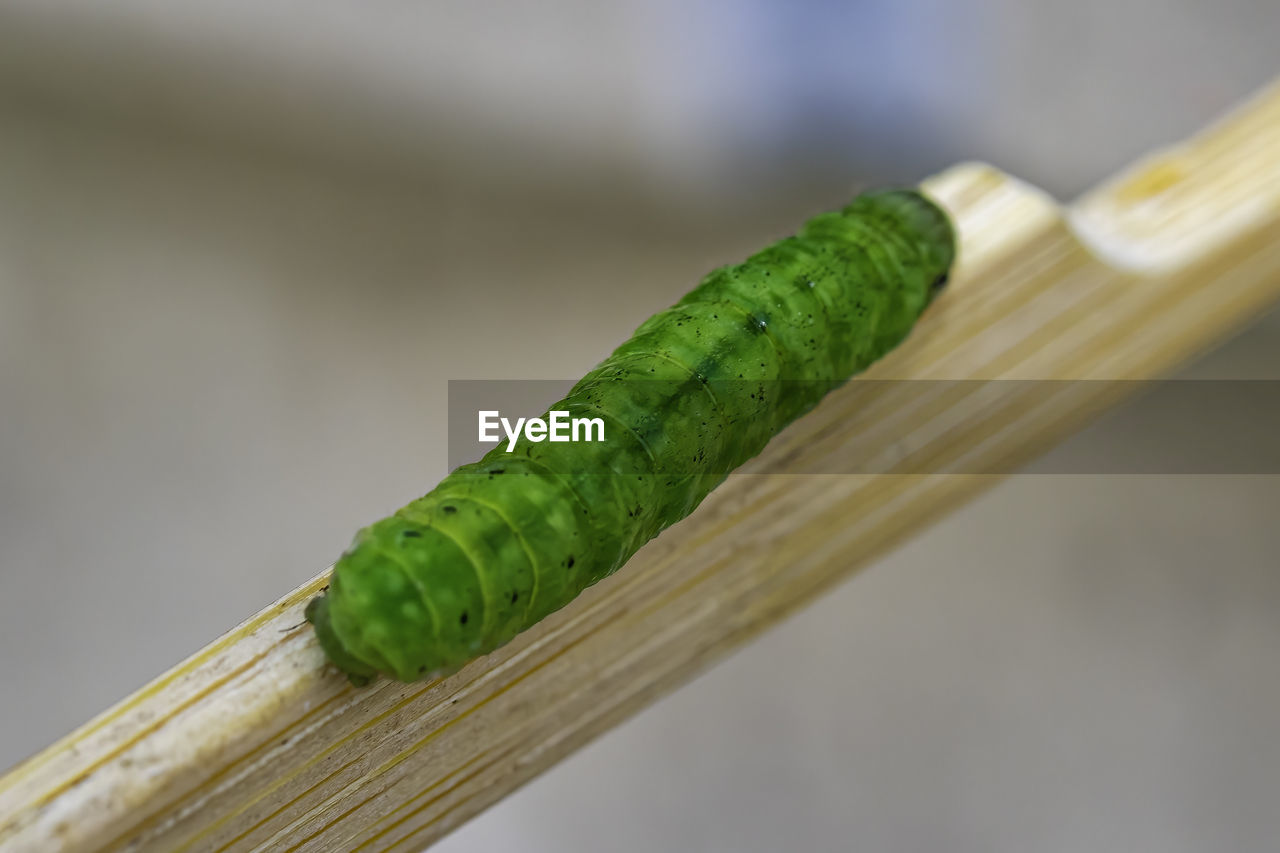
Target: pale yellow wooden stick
x,y
254,743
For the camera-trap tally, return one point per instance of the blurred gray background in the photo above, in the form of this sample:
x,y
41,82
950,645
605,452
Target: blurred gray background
x,y
244,245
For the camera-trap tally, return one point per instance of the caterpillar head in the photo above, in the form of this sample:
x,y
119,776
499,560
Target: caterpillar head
x,y
357,671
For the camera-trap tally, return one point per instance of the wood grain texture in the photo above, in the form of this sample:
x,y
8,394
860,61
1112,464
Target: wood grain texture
x,y
254,743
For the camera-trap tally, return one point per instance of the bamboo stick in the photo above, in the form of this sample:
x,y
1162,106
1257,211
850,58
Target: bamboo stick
x,y
253,743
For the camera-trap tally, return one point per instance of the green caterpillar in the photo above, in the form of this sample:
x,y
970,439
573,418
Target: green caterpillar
x,y
698,389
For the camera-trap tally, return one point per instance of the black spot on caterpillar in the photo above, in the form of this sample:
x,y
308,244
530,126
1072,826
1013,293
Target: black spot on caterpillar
x,y
462,570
